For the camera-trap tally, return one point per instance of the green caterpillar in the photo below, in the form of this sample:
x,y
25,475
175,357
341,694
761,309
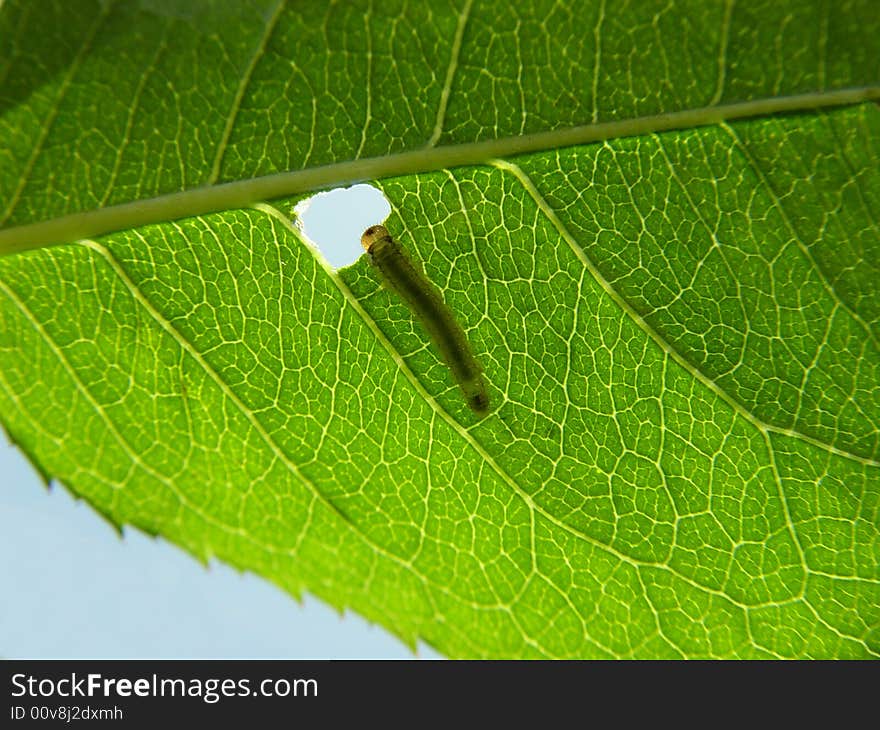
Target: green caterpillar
x,y
402,276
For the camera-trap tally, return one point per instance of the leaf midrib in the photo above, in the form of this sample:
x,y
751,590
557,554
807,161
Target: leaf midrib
x,y
242,193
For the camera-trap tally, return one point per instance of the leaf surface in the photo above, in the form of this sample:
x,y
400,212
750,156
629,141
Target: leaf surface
x,y
679,327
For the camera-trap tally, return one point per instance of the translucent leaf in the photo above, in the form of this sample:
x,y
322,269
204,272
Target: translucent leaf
x,y
672,287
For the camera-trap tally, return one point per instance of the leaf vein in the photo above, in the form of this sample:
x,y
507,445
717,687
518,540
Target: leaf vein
x,y
243,85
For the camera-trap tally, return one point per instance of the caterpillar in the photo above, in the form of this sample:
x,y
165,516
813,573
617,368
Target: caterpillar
x,y
403,277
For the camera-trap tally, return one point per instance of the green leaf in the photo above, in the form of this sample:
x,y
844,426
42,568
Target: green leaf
x,y
672,288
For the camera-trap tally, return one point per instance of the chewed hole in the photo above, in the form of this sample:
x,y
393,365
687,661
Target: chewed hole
x,y
334,221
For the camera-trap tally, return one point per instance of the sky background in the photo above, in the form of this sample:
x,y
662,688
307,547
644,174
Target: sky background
x,y
71,588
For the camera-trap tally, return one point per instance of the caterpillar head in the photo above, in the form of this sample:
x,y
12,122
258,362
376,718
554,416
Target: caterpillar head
x,y
373,234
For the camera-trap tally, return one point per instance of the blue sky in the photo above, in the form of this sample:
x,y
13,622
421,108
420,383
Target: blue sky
x,y
73,589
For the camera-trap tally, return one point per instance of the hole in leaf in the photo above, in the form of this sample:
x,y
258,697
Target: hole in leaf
x,y
334,221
